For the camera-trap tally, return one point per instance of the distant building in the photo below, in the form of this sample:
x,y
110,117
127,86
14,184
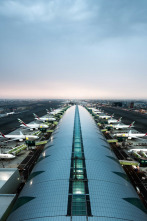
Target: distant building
x,y
132,105
117,104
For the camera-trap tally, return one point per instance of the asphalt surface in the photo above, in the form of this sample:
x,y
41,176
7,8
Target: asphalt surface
x,y
10,123
128,117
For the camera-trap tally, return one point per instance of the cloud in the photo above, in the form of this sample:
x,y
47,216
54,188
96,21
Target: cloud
x,y
95,44
25,11
45,11
101,18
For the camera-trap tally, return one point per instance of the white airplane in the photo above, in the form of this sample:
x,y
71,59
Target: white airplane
x,y
54,111
6,156
33,126
50,112
20,137
106,116
44,119
130,135
10,113
113,121
96,111
123,126
145,150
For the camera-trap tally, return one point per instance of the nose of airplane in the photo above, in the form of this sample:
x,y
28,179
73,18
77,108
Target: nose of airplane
x,y
11,156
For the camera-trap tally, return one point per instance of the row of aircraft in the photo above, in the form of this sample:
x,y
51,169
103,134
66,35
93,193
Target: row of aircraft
x,y
36,126
117,124
31,126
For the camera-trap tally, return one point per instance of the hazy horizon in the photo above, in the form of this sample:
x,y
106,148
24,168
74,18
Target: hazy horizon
x,y
73,49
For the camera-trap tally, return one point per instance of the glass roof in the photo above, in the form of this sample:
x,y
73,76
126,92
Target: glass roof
x,y
45,195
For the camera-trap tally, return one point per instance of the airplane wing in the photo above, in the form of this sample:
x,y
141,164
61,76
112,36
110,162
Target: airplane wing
x,y
140,138
9,140
13,139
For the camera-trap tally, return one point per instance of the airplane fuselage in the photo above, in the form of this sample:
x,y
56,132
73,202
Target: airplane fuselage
x,y
119,126
34,126
44,119
113,121
105,117
6,156
21,137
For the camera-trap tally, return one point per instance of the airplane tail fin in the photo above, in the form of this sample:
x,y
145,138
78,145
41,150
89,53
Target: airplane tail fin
x,y
20,121
130,132
21,133
119,119
47,111
132,124
52,109
145,135
2,134
112,115
35,115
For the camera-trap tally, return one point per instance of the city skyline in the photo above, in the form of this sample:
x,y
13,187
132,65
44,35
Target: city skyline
x,y
73,49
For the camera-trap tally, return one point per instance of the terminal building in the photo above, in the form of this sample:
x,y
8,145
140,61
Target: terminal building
x,y
77,177
10,180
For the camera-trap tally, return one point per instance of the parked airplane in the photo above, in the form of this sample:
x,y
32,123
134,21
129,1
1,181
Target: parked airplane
x,y
96,111
44,119
33,126
6,156
20,137
145,150
123,126
54,111
131,135
10,113
113,121
106,116
48,112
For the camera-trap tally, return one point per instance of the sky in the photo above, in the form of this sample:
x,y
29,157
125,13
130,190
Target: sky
x,y
95,49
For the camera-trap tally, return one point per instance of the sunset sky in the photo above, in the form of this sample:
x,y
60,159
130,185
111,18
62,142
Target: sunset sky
x,y
73,49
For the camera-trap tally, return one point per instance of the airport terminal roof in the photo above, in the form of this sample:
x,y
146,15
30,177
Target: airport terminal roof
x,y
51,188
5,202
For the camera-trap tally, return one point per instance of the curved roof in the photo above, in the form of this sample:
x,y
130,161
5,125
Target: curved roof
x,y
112,196
45,195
